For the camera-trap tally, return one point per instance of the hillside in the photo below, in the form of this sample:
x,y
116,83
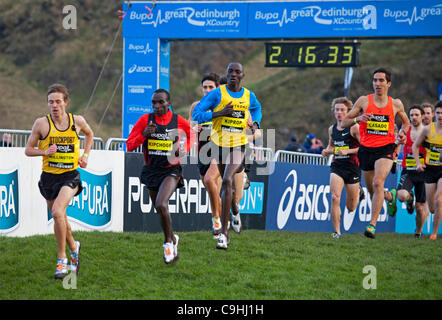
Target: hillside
x,y
36,51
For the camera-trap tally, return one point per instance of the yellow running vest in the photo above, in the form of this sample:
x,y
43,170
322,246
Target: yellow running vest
x,y
230,131
433,147
68,148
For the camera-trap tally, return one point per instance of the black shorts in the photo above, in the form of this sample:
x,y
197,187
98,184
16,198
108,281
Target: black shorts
x,y
432,174
50,184
349,173
410,179
368,156
153,177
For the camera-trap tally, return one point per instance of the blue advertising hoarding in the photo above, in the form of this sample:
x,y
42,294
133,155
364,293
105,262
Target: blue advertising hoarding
x,y
9,204
149,26
299,199
93,206
298,19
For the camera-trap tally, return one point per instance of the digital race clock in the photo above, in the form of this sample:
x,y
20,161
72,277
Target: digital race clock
x,y
309,54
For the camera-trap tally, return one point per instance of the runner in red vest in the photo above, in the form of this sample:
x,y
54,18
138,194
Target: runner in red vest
x,y
376,114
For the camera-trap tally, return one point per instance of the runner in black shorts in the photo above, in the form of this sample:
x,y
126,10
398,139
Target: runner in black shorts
x,y
410,177
376,114
207,166
160,133
343,144
59,144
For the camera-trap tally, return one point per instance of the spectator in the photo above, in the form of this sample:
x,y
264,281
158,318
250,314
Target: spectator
x,y
294,145
6,141
313,144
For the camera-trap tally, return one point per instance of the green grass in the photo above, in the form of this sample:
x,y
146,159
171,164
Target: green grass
x,y
258,265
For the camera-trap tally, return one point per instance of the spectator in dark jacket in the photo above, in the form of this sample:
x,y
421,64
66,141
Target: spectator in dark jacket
x,y
294,145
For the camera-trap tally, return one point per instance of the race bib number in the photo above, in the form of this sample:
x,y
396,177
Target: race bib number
x,y
378,125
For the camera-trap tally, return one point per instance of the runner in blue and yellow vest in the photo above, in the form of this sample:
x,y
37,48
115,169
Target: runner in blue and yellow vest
x,y
431,139
59,145
227,108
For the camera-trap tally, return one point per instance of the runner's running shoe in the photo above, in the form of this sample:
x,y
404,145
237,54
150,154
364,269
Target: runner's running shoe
x,y
216,227
175,247
392,207
236,223
169,252
370,232
75,258
62,269
336,235
433,237
223,241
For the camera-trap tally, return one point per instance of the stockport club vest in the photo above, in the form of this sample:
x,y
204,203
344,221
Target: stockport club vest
x,y
379,130
433,148
160,145
230,131
68,148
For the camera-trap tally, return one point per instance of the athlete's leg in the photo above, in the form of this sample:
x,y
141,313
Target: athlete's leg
x,y
352,191
234,161
167,188
438,212
336,186
382,168
62,229
211,181
238,188
368,177
421,215
430,191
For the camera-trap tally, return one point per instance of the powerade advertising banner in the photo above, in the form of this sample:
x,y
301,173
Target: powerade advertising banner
x,y
308,19
9,202
189,206
299,199
93,206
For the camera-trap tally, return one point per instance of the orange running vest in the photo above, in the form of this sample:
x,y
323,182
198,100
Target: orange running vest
x,y
379,130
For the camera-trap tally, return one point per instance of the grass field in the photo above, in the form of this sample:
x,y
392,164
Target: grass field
x,y
258,265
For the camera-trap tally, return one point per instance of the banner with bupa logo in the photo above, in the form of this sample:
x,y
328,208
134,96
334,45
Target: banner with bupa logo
x,y
9,204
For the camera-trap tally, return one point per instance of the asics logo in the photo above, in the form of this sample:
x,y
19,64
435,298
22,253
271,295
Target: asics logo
x,y
308,204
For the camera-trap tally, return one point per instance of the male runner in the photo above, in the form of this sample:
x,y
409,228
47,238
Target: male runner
x,y
431,138
59,144
208,168
226,107
377,125
160,133
344,170
428,113
410,177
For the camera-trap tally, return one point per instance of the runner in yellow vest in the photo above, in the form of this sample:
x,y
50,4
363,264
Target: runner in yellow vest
x,y
431,138
227,108
59,145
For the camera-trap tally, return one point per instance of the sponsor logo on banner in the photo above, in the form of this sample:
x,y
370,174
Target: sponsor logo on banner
x,y
136,89
253,198
9,204
140,48
139,109
139,69
200,18
93,206
188,199
363,17
413,15
299,199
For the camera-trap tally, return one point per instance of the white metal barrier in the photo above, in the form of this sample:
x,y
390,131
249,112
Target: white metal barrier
x,y
301,157
19,138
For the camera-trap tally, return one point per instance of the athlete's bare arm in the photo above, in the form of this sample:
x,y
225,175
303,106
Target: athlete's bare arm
x,y
331,146
423,134
357,111
39,130
354,131
84,127
192,124
400,111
